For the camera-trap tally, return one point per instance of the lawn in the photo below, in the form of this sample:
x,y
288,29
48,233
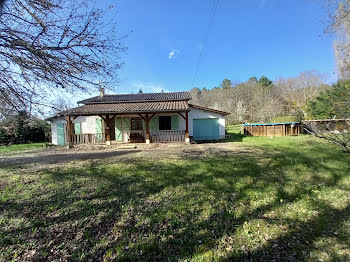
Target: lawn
x,y
20,147
285,199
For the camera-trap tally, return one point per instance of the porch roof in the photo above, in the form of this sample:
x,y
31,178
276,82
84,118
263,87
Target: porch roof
x,y
127,108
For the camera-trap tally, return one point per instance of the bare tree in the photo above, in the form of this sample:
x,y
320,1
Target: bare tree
x,y
57,44
298,91
339,25
335,136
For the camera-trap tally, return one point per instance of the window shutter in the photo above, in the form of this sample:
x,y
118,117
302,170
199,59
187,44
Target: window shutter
x,y
174,122
77,128
154,123
126,123
118,129
99,129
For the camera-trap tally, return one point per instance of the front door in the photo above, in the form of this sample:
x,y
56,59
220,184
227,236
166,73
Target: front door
x,y
111,125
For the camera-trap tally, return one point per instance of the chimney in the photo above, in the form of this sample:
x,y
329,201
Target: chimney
x,y
102,92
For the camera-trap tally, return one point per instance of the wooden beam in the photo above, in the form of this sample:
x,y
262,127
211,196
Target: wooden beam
x,y
182,115
152,116
103,118
69,131
187,137
142,117
147,129
107,131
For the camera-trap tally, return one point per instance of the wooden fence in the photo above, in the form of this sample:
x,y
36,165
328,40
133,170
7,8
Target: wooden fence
x,y
278,129
167,136
79,139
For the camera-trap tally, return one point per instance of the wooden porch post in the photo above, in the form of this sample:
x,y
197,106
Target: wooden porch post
x,y
187,137
69,132
107,131
147,129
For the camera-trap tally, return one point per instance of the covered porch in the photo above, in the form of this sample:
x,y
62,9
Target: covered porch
x,y
113,128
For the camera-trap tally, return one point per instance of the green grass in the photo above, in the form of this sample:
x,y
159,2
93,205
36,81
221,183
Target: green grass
x,y
20,147
282,199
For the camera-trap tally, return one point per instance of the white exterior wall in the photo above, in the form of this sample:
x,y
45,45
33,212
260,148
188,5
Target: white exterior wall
x,y
54,130
201,114
88,124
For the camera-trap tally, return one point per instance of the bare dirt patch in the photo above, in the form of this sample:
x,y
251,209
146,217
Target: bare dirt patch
x,y
56,156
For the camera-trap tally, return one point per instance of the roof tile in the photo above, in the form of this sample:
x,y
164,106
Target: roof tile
x,y
174,96
118,108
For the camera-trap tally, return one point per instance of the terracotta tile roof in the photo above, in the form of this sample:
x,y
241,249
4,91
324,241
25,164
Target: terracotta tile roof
x,y
120,108
209,109
174,96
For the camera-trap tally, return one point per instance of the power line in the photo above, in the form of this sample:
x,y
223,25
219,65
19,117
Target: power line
x,y
206,36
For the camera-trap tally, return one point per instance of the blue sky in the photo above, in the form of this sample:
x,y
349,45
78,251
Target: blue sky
x,y
248,38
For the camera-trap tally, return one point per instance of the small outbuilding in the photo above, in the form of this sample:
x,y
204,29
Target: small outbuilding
x,y
272,129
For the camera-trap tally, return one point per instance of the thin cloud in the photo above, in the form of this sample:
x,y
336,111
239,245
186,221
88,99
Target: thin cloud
x,y
148,87
172,53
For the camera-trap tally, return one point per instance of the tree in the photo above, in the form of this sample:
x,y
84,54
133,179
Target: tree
x,y
298,91
252,79
264,81
226,84
339,24
338,137
21,128
334,102
56,44
140,91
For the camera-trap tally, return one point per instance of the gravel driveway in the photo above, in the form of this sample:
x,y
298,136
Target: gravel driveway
x,y
55,156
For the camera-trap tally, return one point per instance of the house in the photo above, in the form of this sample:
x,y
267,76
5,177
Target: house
x,y
146,117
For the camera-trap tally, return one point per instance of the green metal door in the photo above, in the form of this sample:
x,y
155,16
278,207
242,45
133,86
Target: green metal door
x,y
77,128
206,129
174,122
153,124
61,141
126,123
118,129
99,130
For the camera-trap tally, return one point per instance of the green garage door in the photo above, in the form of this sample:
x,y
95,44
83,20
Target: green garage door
x,y
206,129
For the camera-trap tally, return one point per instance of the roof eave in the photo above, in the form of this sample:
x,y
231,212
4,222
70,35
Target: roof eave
x,y
133,101
124,112
209,109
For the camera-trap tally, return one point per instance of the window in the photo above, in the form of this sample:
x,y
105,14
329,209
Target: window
x,y
136,123
165,123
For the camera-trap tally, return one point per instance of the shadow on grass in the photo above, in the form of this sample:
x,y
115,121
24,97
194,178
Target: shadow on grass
x,y
181,209
64,157
235,137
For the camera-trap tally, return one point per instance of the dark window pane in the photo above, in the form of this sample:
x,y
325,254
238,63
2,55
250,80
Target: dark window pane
x,y
136,124
165,123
